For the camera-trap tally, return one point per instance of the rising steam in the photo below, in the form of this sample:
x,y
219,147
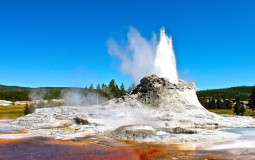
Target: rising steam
x,y
141,57
75,98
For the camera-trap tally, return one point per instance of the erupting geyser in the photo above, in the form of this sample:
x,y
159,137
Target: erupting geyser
x,y
141,57
165,63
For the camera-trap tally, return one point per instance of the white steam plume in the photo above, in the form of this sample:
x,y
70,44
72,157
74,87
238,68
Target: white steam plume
x,y
141,57
75,98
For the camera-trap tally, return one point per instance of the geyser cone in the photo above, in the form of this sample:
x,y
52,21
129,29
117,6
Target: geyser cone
x,y
156,92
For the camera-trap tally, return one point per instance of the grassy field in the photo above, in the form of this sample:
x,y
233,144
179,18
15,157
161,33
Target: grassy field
x,y
11,112
230,111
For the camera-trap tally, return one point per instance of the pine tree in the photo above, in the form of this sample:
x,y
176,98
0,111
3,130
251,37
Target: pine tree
x,y
26,109
132,87
111,85
86,90
104,86
32,108
218,104
213,104
205,104
98,87
113,88
252,99
237,106
223,104
91,88
228,105
122,90
29,109
242,109
117,91
209,104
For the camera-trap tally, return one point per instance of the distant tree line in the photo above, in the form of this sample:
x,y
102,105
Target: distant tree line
x,y
212,103
222,103
14,95
112,90
23,95
52,94
239,108
243,92
252,99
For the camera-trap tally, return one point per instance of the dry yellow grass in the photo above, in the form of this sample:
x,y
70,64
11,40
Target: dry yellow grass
x,y
230,111
11,112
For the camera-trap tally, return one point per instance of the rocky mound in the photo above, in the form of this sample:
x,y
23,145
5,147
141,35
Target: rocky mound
x,y
157,92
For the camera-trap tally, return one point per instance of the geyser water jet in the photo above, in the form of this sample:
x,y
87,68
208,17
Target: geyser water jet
x,y
141,57
165,63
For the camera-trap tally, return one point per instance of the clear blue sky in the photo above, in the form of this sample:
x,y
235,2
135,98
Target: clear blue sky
x,y
63,43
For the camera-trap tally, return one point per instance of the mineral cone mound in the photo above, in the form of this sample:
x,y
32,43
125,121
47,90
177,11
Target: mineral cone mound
x,y
155,111
159,92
